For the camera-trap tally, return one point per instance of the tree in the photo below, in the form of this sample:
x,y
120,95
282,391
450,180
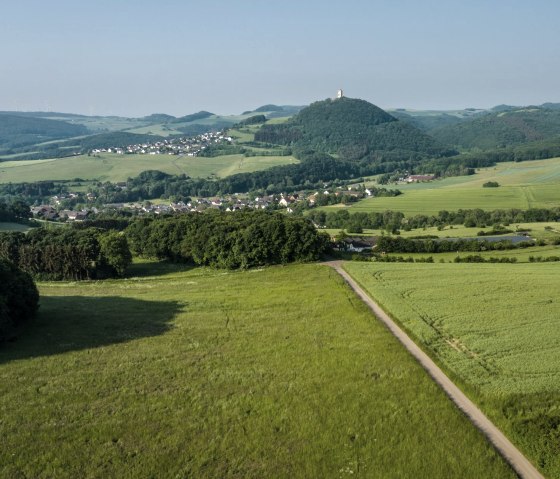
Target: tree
x,y
115,252
19,299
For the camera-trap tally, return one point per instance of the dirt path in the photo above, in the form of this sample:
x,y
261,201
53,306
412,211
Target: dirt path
x,y
515,458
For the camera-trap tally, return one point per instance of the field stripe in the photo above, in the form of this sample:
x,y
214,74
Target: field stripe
x,y
511,454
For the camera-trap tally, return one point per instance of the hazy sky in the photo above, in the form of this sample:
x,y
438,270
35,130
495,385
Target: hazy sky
x,y
136,57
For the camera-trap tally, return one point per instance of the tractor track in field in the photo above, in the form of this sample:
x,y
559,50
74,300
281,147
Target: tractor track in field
x,y
503,445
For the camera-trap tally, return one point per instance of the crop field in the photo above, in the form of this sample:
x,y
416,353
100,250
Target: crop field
x,y
113,167
188,373
528,184
496,328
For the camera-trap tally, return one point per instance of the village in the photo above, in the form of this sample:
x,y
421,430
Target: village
x,y
185,146
60,207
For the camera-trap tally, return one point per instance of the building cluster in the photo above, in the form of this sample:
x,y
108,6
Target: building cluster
x,y
56,209
187,146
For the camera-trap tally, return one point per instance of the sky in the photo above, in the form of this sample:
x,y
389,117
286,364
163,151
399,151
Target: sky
x,y
137,57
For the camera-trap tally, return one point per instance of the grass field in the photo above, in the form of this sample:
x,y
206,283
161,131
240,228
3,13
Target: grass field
x,y
113,167
545,230
13,227
494,327
529,184
176,373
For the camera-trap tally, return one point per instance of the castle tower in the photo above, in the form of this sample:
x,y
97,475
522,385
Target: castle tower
x,y
339,93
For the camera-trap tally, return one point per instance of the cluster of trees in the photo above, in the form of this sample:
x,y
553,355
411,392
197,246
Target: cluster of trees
x,y
491,184
19,299
242,240
395,220
402,259
389,244
14,211
546,259
476,258
67,254
356,222
37,191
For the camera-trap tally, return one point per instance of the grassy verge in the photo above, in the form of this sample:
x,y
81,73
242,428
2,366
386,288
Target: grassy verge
x,y
280,372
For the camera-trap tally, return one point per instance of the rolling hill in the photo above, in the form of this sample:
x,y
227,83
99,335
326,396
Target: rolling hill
x,y
504,127
354,130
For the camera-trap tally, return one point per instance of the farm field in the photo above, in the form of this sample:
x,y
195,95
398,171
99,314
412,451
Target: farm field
x,y
528,184
188,373
495,328
113,167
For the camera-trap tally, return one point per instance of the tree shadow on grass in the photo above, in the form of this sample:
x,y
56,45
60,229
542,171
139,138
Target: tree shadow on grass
x,y
142,269
73,323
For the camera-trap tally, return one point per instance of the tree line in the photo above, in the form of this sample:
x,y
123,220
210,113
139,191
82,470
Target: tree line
x,y
67,253
391,244
244,239
393,221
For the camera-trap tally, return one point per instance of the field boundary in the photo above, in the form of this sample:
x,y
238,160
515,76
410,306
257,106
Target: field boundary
x,y
503,445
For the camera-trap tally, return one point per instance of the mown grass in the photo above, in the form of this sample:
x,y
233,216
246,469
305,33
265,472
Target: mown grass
x,y
496,328
528,184
113,167
280,372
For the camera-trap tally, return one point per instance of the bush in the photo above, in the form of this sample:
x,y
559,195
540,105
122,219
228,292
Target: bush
x,y
19,299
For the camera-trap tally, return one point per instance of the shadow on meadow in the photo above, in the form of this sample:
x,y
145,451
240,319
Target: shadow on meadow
x,y
73,323
143,269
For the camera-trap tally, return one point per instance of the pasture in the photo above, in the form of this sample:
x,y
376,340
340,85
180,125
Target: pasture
x,y
495,328
188,373
528,184
113,167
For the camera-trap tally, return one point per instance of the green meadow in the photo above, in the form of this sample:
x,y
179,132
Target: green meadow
x,y
113,167
495,328
528,184
13,227
280,372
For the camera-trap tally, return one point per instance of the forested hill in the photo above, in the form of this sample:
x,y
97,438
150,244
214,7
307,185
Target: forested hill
x,y
18,130
354,130
502,128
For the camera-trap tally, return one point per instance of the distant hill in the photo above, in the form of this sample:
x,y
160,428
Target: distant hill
x,y
502,128
159,118
265,108
428,120
17,131
193,117
354,130
275,111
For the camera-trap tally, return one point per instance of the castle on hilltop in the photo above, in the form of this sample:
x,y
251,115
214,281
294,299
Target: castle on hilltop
x,y
339,93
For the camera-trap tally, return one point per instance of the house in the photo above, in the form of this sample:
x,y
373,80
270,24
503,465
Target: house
x,y
355,244
418,178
